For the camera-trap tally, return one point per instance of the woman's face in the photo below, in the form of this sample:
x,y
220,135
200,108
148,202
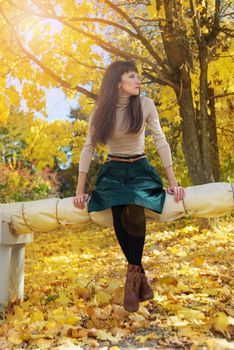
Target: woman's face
x,y
130,84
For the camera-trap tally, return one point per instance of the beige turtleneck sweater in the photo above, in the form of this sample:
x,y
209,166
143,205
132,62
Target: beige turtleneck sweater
x,y
131,144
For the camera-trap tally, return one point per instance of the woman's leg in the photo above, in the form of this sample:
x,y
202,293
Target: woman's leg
x,y
121,234
130,228
135,225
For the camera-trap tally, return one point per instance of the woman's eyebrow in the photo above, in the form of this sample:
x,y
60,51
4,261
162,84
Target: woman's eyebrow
x,y
135,74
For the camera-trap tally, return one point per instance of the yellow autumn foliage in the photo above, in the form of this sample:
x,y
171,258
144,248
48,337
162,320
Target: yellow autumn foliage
x,y
192,305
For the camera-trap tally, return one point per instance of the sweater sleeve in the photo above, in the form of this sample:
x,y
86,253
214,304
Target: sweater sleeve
x,y
87,152
159,138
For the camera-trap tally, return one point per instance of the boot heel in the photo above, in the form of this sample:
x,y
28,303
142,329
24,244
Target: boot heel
x,y
145,292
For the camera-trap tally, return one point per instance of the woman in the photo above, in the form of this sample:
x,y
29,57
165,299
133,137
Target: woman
x,y
126,182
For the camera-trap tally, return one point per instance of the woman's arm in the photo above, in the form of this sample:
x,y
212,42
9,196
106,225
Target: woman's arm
x,y
174,189
86,156
163,149
157,134
81,197
81,182
171,176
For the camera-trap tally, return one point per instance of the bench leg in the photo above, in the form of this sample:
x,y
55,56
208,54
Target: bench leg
x,y
16,289
5,266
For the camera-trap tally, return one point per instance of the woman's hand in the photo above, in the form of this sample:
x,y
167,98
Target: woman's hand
x,y
177,191
80,199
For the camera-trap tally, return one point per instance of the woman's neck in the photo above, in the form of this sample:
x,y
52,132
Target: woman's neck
x,y
123,101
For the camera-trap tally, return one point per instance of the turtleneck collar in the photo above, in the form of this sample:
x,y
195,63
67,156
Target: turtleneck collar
x,y
123,101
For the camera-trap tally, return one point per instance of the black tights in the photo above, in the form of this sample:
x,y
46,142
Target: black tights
x,y
130,228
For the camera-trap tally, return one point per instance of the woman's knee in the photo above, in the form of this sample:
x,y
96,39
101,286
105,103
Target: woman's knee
x,y
118,213
134,221
135,213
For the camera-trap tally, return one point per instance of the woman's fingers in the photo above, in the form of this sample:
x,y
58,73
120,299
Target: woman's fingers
x,y
79,200
170,191
86,196
181,193
178,192
76,202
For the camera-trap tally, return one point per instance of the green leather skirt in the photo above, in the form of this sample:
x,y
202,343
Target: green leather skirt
x,y
127,183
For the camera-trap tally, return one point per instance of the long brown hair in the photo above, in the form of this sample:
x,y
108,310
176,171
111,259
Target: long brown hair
x,y
104,113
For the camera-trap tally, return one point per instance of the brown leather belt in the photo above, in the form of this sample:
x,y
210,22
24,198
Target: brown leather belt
x,y
125,159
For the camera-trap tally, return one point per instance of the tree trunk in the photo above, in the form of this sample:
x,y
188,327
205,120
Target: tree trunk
x,y
214,149
195,123
205,144
190,139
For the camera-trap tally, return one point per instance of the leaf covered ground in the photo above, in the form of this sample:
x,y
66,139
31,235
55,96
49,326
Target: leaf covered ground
x,y
74,283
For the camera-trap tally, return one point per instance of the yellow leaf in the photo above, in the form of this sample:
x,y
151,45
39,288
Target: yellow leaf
x,y
26,305
42,343
187,331
77,332
177,322
72,320
103,313
198,261
37,316
143,338
82,292
219,344
19,313
221,322
104,335
136,317
112,286
15,339
151,9
58,313
204,30
63,299
200,7
182,287
102,297
210,291
190,314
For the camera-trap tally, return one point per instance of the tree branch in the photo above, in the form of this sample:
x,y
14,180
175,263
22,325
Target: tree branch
x,y
151,20
159,80
224,129
100,20
215,27
221,95
102,43
43,67
227,31
196,27
141,37
81,63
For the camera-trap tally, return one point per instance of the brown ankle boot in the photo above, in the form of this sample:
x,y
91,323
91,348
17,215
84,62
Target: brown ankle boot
x,y
146,292
132,286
